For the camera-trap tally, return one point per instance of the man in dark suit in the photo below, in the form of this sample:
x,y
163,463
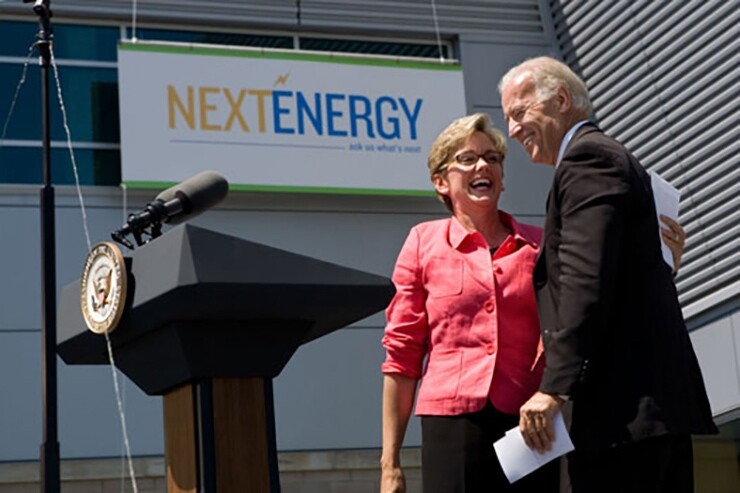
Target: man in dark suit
x,y
615,341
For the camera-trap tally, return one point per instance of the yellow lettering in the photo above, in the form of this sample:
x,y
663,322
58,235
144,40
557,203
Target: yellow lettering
x,y
261,105
203,92
236,113
174,101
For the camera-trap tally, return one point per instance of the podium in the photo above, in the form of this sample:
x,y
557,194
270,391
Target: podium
x,y
211,319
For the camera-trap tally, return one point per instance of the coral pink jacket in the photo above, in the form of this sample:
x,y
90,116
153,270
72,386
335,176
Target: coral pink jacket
x,y
471,314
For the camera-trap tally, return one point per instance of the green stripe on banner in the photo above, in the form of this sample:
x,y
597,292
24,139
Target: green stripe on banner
x,y
158,185
185,49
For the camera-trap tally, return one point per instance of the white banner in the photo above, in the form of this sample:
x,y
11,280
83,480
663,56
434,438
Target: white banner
x,y
282,121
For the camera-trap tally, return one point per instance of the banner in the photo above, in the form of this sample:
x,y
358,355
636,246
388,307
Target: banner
x,y
282,121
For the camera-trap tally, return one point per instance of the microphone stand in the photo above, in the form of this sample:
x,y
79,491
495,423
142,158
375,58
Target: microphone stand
x,y
50,446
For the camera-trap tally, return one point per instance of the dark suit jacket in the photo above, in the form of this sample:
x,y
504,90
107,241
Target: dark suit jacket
x,y
614,336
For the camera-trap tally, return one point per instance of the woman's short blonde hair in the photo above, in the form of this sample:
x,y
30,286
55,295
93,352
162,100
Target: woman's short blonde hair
x,y
454,136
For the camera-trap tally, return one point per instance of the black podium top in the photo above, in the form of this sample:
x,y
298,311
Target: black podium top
x,y
204,304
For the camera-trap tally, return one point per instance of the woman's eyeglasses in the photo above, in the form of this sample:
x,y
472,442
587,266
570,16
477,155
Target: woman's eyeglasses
x,y
468,159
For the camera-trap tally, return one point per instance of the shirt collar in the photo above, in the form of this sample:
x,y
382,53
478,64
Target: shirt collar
x,y
566,140
458,233
519,233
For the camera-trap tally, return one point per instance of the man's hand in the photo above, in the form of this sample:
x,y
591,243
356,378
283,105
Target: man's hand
x,y
674,237
536,420
392,480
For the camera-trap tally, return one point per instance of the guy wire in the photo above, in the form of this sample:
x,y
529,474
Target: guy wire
x,y
114,371
436,29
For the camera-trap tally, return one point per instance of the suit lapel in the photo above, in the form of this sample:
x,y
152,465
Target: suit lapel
x,y
544,233
539,275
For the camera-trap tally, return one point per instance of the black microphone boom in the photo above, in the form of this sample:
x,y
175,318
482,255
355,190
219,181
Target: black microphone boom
x,y
174,206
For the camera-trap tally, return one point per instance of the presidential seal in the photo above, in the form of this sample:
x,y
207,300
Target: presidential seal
x,y
103,288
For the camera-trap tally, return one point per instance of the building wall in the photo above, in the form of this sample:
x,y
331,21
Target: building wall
x,y
716,340
662,79
300,472
328,396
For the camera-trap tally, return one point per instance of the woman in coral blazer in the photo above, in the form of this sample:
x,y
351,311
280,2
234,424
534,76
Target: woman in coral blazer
x,y
464,322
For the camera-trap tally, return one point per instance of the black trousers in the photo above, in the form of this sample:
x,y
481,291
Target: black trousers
x,y
663,464
457,456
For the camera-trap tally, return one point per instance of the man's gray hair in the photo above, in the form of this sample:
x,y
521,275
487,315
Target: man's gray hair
x,y
548,74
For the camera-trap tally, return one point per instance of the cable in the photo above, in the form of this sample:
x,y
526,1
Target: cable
x,y
133,22
17,92
436,29
69,147
68,133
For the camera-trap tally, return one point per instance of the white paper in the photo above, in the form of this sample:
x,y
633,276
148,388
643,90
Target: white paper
x,y
666,202
517,459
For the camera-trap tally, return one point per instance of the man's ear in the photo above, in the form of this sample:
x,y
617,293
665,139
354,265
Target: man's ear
x,y
564,99
440,184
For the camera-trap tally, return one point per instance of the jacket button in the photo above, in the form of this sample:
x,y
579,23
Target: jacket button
x,y
490,349
488,305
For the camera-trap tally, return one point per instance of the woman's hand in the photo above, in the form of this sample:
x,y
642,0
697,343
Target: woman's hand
x,y
398,399
392,479
674,237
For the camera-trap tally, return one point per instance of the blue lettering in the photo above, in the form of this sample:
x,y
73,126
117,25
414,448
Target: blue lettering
x,y
412,117
277,111
343,115
393,120
332,114
303,109
355,115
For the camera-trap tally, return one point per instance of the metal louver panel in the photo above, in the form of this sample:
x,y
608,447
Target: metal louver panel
x,y
383,16
252,13
663,77
454,17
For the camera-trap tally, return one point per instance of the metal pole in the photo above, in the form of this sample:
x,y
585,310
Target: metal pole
x,y
50,480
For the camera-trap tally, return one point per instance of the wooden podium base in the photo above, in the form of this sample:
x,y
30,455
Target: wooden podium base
x,y
219,437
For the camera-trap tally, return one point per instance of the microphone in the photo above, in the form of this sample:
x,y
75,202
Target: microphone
x,y
193,196
174,206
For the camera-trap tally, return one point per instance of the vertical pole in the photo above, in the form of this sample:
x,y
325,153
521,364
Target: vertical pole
x,y
50,480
